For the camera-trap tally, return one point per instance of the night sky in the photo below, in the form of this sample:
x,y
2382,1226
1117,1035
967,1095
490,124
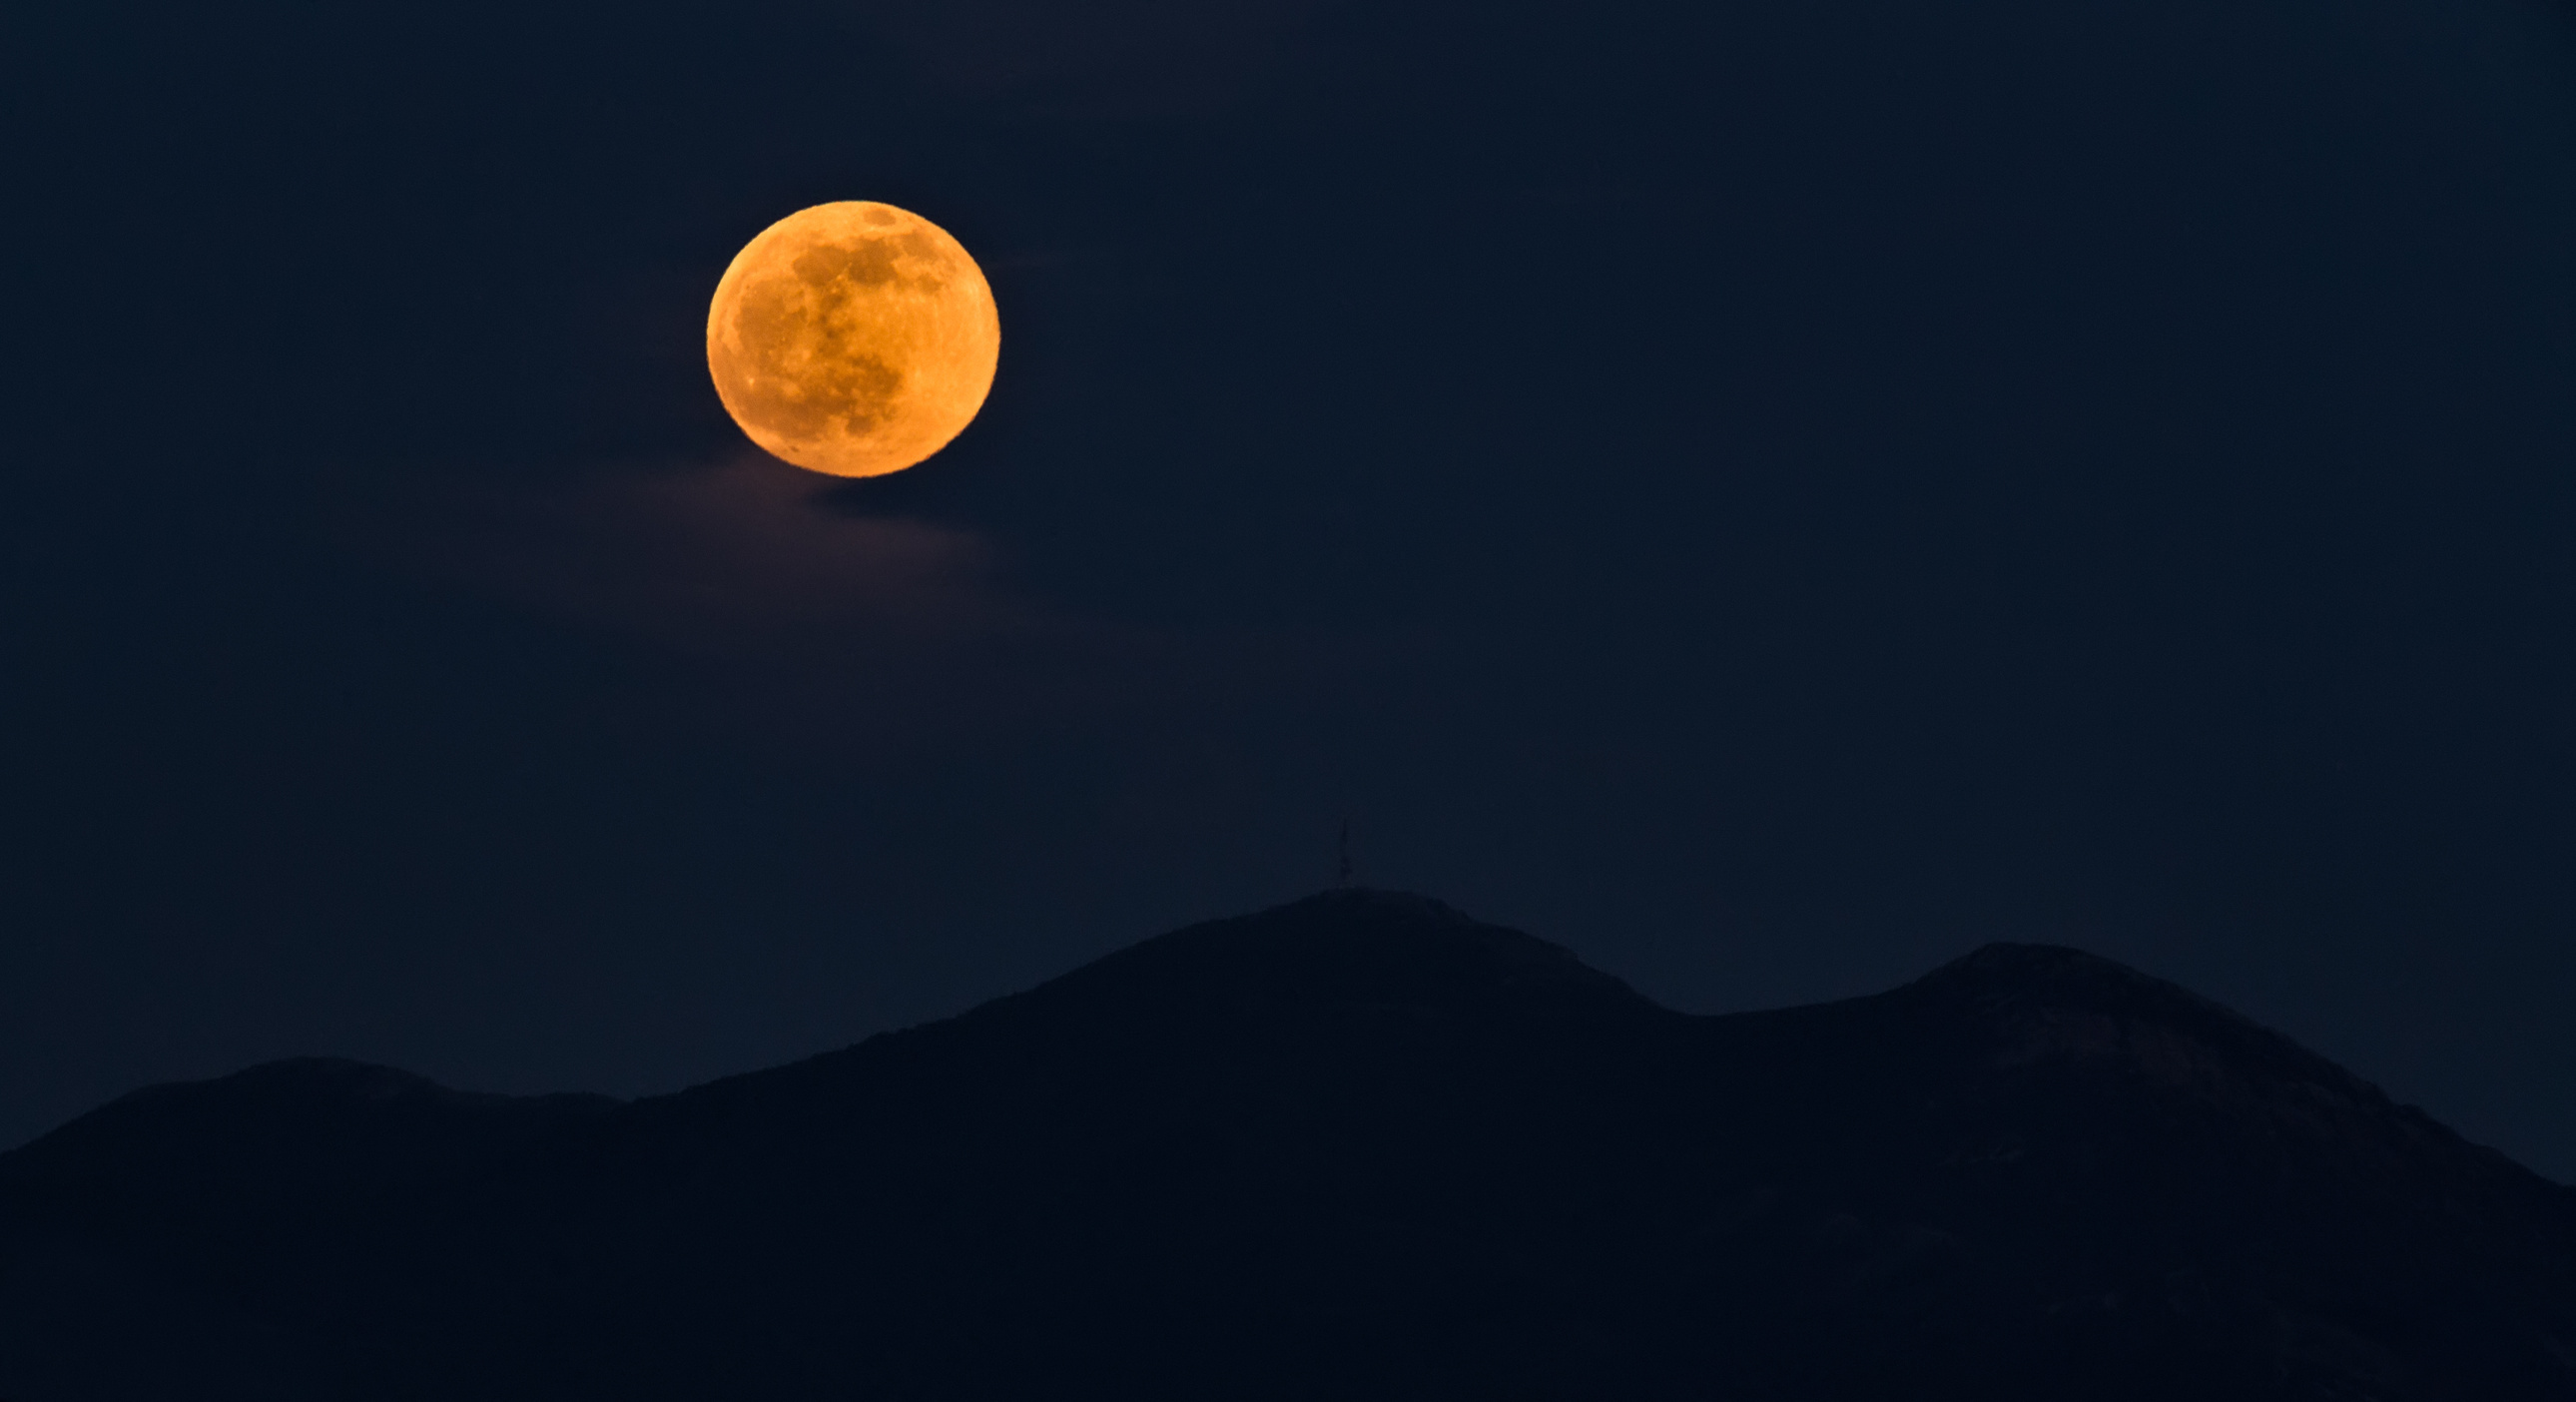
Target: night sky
x,y
1770,495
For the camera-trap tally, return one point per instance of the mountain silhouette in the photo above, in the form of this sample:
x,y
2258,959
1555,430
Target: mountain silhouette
x,y
1358,1146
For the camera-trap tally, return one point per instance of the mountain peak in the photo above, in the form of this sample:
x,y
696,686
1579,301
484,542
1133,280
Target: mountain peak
x,y
1347,946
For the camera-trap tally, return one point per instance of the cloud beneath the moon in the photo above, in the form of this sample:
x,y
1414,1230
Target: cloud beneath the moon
x,y
730,560
771,596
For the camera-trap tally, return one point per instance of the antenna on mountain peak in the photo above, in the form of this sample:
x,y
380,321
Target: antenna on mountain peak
x,y
1342,868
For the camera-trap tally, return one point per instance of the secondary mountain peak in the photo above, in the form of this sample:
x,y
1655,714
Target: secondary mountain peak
x,y
2055,973
2044,1003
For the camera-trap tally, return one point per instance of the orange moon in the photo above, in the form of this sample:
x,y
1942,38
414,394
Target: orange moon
x,y
853,338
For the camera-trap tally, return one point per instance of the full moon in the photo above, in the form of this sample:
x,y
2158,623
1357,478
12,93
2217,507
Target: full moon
x,y
853,338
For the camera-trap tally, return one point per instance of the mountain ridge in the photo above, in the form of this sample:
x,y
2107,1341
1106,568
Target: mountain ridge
x,y
1359,1144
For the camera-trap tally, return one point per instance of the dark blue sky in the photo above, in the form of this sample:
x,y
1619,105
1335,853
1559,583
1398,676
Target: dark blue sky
x,y
1770,495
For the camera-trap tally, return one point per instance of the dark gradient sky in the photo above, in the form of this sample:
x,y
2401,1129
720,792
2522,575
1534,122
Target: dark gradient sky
x,y
1770,495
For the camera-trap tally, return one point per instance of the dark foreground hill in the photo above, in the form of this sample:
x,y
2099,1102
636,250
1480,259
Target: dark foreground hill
x,y
1357,1147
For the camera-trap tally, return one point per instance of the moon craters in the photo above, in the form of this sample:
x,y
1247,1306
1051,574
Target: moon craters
x,y
853,339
